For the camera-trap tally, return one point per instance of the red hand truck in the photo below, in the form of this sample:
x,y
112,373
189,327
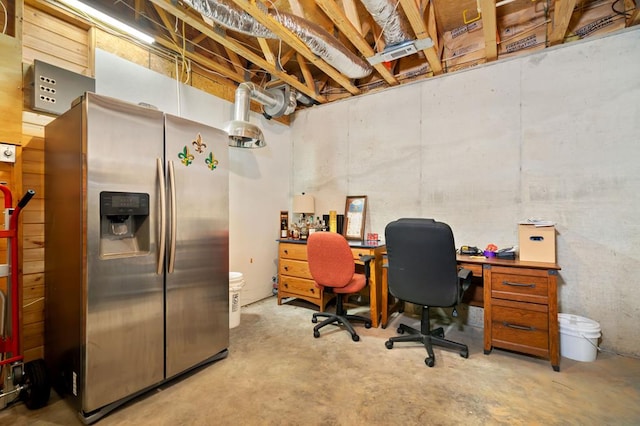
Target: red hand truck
x,y
27,381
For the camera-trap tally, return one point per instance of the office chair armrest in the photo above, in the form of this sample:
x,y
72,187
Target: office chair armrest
x,y
464,277
464,274
366,260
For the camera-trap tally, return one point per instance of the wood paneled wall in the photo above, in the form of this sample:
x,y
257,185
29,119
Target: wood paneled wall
x,y
62,44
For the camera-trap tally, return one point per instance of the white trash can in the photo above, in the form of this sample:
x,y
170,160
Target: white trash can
x,y
236,282
578,337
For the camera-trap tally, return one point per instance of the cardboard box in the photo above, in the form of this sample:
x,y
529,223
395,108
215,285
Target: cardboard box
x,y
595,18
537,243
464,47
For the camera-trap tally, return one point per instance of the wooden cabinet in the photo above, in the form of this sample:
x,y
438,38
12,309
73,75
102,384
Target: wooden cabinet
x,y
294,277
521,309
295,280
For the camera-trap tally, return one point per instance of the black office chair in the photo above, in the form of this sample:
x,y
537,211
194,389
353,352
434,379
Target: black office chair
x,y
423,270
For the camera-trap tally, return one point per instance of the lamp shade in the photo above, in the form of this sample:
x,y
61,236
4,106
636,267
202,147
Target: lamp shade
x,y
304,204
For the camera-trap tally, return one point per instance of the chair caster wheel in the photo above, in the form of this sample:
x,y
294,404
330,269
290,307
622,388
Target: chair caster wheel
x,y
389,344
429,361
367,325
400,330
464,354
355,337
314,320
316,333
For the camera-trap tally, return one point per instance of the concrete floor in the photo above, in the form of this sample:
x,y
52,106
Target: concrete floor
x,y
277,373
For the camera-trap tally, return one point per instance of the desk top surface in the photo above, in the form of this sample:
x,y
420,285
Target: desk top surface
x,y
352,243
481,260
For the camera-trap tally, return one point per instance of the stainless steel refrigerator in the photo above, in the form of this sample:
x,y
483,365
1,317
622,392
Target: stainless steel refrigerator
x,y
136,250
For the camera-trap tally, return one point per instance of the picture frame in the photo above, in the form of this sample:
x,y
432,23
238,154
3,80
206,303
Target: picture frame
x,y
355,214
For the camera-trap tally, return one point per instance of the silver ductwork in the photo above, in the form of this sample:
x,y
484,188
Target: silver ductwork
x,y
319,41
395,26
276,102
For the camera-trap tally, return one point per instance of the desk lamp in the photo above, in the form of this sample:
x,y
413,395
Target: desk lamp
x,y
303,204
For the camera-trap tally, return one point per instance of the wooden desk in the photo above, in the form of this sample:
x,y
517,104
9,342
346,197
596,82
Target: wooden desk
x,y
520,305
295,279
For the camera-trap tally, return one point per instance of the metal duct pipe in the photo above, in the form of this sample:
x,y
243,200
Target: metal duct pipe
x,y
319,41
276,102
395,26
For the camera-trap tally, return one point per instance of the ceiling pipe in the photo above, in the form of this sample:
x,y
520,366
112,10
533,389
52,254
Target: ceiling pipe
x,y
317,39
395,26
276,103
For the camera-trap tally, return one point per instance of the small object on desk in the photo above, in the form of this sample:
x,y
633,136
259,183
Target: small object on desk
x,y
490,250
508,253
470,250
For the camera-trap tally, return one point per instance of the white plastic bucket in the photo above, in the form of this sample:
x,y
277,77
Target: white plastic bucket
x,y
578,337
236,282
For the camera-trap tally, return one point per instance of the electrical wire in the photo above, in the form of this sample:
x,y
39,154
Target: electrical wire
x,y
617,12
6,17
204,49
279,39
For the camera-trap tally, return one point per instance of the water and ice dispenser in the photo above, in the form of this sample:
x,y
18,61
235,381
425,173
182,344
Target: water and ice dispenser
x,y
124,224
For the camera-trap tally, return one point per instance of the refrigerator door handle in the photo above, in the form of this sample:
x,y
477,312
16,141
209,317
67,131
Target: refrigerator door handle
x,y
174,219
163,217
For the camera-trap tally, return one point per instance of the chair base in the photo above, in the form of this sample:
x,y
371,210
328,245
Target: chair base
x,y
428,338
339,318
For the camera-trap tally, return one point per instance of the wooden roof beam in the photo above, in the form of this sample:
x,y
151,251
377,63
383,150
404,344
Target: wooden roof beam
x,y
490,28
563,9
420,28
266,51
344,24
168,25
204,61
634,19
252,8
137,7
233,45
351,12
235,60
218,53
306,73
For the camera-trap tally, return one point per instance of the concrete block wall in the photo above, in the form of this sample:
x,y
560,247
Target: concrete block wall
x,y
552,135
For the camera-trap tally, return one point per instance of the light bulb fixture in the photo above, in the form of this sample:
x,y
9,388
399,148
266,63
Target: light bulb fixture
x,y
108,20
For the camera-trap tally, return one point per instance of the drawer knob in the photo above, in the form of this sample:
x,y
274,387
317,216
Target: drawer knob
x,y
512,284
518,327
286,268
286,251
312,290
286,285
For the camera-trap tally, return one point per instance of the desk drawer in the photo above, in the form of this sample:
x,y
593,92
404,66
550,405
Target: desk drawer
x,y
299,286
292,251
296,268
521,287
518,328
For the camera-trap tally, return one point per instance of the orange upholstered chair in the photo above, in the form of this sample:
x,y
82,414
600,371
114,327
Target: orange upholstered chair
x,y
333,268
